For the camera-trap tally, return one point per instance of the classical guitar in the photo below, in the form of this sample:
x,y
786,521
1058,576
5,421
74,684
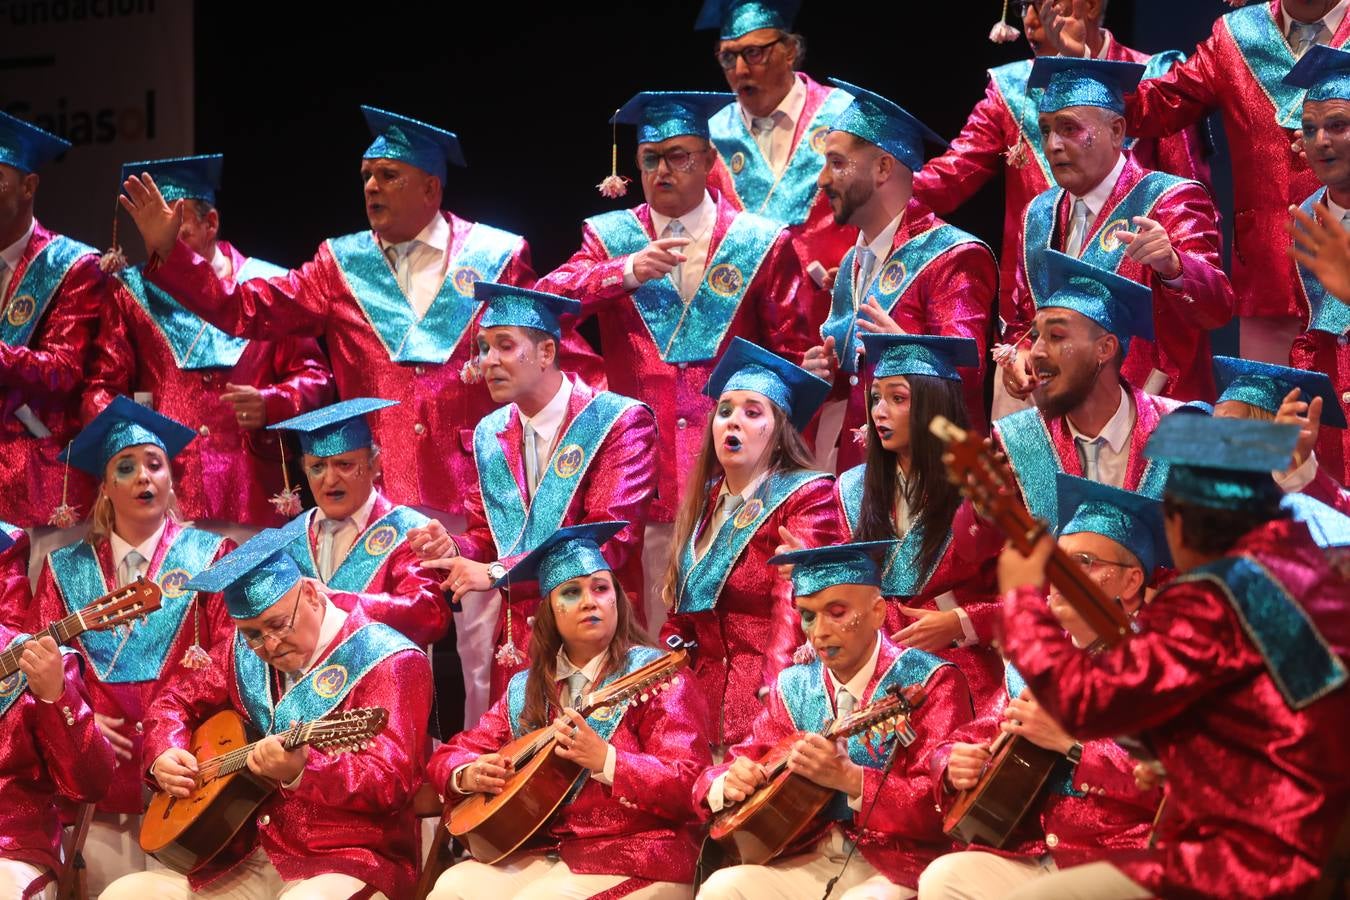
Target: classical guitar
x,y
120,607
1015,778
762,825
493,825
186,833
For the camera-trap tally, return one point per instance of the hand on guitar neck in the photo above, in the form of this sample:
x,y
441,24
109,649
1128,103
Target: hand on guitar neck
x,y
41,665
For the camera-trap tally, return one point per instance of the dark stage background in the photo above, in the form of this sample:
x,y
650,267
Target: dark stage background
x,y
529,90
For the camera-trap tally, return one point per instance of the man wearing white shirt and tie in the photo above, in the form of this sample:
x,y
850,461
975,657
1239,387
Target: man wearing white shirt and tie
x,y
556,454
882,789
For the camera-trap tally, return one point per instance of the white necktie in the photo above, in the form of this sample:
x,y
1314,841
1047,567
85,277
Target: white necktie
x,y
531,441
867,260
576,684
676,229
131,568
400,258
843,704
1090,451
328,529
1078,226
762,128
1303,35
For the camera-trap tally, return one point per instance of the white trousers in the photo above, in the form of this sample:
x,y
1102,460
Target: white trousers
x,y
1267,338
475,629
533,876
1093,881
658,539
829,425
805,875
254,879
112,849
15,876
976,875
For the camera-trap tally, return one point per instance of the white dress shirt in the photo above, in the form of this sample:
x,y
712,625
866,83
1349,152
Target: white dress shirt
x,y
785,118
1338,212
547,423
723,511
120,549
428,258
348,531
1114,453
564,668
333,620
1330,23
698,226
881,249
1095,199
10,256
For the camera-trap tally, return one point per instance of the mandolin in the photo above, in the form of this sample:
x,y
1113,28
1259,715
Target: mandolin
x,y
762,825
1015,778
120,607
186,833
494,825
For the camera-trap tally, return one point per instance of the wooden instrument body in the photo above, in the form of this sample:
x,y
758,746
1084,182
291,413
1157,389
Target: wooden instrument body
x,y
762,826
185,834
492,826
1012,784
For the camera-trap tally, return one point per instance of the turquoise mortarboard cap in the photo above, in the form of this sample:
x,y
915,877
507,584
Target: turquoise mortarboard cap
x,y
919,354
408,140
816,568
1264,386
334,429
510,305
1222,463
662,115
27,147
1132,520
253,576
1323,71
1067,81
182,177
567,553
749,367
1121,306
882,122
733,18
122,424
1329,527
1194,408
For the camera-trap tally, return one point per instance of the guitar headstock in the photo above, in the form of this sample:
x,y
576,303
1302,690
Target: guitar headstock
x,y
639,686
124,605
982,474
345,731
883,719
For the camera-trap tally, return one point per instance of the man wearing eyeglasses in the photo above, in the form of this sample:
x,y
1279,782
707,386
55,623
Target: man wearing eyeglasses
x,y
770,141
340,825
1091,804
672,282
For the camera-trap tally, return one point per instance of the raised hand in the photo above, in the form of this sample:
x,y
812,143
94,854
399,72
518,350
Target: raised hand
x,y
1150,246
659,258
1321,246
931,630
155,219
819,360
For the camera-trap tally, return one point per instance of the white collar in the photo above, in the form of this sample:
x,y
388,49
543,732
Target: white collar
x,y
435,234
547,421
333,620
791,107
1331,21
1117,429
361,518
748,492
1334,208
857,685
881,244
14,252
221,264
564,667
695,221
1097,197
120,548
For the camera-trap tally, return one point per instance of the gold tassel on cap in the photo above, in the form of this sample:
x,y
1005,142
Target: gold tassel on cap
x,y
1002,32
113,259
287,500
614,185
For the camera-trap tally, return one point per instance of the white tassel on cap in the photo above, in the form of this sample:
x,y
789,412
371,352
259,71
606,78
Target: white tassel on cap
x,y
1002,32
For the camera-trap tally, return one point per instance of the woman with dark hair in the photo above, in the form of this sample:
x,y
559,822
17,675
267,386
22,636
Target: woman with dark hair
x,y
940,579
629,829
134,531
751,481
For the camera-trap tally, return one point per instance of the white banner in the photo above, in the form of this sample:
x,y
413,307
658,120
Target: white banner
x,y
113,77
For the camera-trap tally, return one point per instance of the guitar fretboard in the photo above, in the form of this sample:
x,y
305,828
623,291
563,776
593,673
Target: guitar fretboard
x,y
61,632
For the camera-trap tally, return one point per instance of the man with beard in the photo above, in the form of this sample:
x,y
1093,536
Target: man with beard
x,y
909,273
1151,227
770,141
1088,420
394,304
1325,346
